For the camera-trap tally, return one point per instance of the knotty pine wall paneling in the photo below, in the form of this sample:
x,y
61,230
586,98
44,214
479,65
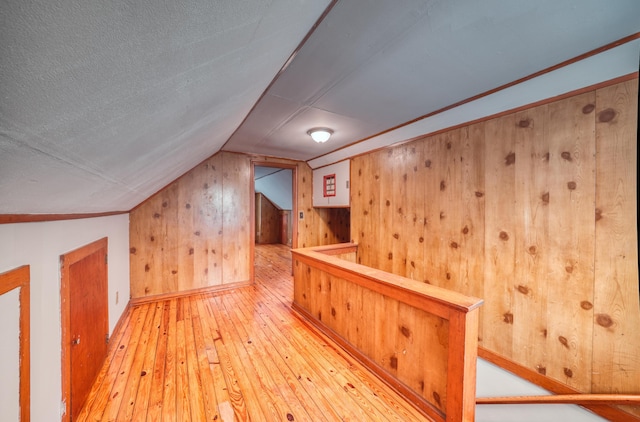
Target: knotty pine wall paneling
x,y
268,221
535,212
195,232
616,338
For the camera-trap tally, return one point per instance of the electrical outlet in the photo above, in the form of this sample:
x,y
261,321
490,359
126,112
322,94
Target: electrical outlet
x,y
301,215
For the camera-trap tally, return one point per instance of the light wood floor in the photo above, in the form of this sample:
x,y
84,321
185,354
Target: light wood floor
x,y
239,355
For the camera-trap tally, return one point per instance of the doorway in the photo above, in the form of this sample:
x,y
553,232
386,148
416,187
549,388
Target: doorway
x,y
85,322
274,183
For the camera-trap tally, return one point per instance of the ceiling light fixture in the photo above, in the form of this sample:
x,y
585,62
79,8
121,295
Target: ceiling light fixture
x,y
320,134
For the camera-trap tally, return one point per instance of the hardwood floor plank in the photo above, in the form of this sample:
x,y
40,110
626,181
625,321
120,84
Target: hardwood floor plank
x,y
154,409
224,374
130,392
205,374
169,392
120,382
240,355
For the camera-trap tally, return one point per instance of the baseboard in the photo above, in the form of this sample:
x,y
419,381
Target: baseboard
x,y
201,290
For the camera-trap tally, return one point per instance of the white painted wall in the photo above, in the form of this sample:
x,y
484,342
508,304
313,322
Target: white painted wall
x,y
278,187
342,197
10,356
493,381
40,246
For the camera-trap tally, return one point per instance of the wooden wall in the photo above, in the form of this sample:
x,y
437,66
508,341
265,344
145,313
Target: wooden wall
x,y
196,232
534,211
268,221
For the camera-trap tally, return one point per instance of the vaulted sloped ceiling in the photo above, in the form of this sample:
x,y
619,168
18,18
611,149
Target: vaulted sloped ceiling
x,y
105,102
102,103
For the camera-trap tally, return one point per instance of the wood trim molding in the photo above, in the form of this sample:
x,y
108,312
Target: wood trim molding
x,y
37,218
201,290
20,278
66,260
581,399
605,410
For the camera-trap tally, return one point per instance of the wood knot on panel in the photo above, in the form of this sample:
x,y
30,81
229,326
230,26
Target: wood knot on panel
x,y
390,256
533,250
524,123
586,305
174,272
400,210
133,250
545,198
377,176
448,275
427,163
541,370
187,206
465,230
165,204
152,238
566,155
442,215
568,268
365,212
205,186
405,331
507,318
413,264
290,417
191,251
421,239
388,203
564,341
405,177
333,311
147,268
393,362
523,289
568,372
454,245
479,194
436,398
544,333
396,236
443,185
598,214
359,172
504,236
348,306
588,108
156,215
607,115
510,159
604,320
572,185
448,145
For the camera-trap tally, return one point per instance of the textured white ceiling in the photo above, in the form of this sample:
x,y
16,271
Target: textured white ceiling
x,y
369,68
103,103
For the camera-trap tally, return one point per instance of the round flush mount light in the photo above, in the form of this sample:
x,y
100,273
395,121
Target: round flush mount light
x,y
320,134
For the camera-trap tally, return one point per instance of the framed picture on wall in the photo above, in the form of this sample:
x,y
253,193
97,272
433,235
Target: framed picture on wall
x,y
329,185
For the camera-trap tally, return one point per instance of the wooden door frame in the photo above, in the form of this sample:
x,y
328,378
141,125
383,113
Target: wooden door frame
x,y
66,260
20,278
294,205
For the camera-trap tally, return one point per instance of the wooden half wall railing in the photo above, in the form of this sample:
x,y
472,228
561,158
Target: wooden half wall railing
x,y
420,339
